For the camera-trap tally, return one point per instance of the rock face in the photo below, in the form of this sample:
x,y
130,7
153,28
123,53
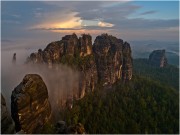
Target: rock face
x,y
30,108
113,59
106,61
7,124
127,62
73,51
158,58
88,77
70,45
85,45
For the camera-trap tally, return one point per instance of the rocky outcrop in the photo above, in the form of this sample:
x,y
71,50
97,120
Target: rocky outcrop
x,y
127,62
7,124
88,75
70,45
85,45
30,108
113,59
75,52
107,61
158,58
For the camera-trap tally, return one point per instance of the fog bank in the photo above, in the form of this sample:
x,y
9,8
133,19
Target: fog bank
x,y
61,81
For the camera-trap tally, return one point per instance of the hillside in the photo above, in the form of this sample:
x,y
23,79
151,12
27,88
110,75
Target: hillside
x,y
168,75
138,106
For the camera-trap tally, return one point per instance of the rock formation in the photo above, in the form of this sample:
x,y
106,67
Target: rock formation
x,y
85,45
7,124
75,52
70,45
113,59
107,61
30,108
127,62
158,58
14,58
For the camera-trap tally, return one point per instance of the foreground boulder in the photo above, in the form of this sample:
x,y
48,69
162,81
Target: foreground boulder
x,y
30,108
7,124
158,58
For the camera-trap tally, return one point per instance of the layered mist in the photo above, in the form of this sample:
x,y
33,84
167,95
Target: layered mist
x,y
61,81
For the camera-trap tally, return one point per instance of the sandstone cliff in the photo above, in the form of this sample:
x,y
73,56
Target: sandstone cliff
x,y
158,58
113,59
30,108
74,52
106,61
7,124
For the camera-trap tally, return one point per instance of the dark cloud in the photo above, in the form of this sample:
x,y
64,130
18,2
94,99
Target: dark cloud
x,y
118,15
145,24
120,10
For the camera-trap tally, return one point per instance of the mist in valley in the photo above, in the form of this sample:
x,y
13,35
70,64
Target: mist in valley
x,y
61,81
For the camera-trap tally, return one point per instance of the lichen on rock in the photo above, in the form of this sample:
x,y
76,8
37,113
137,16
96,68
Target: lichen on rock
x,y
30,108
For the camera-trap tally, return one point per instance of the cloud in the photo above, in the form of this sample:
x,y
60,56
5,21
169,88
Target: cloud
x,y
86,17
148,12
99,17
58,29
58,19
38,12
11,22
145,24
6,41
159,34
109,11
16,15
104,24
66,20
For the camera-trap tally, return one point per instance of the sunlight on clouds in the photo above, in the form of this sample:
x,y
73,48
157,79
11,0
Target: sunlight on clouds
x,y
73,23
104,24
96,23
59,20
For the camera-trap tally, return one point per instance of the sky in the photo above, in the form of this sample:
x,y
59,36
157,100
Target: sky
x,y
33,24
